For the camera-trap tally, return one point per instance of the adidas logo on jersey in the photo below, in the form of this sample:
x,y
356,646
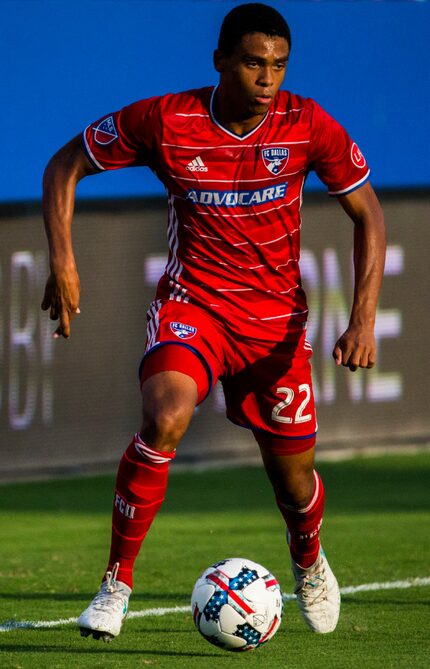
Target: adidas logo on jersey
x,y
196,165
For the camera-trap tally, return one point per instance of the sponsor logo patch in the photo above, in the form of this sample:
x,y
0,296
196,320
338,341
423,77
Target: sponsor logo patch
x,y
357,157
239,198
105,132
275,159
182,330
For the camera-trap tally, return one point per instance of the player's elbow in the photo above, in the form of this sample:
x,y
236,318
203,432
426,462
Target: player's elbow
x,y
69,163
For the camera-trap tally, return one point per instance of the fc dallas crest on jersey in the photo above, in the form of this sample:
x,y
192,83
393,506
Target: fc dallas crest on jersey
x,y
275,159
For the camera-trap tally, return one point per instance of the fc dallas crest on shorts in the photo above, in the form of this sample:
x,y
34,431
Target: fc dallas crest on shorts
x,y
182,330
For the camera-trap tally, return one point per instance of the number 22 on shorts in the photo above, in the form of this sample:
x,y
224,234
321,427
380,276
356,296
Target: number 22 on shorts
x,y
299,416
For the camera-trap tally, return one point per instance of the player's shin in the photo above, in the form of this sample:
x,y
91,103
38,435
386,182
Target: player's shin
x,y
304,526
139,492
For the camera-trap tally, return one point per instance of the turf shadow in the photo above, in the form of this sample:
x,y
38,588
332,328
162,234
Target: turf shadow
x,y
84,597
27,648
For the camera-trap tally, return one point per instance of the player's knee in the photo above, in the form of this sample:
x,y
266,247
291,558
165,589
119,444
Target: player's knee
x,y
299,496
297,488
163,427
168,402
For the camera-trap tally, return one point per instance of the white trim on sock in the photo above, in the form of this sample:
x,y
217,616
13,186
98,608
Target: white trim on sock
x,y
150,453
314,498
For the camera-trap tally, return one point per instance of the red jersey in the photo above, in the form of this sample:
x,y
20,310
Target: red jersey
x,y
233,201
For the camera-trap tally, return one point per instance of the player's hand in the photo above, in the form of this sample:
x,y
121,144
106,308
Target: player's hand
x,y
356,348
62,292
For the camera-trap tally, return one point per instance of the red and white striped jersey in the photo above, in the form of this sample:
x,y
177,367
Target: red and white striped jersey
x,y
233,201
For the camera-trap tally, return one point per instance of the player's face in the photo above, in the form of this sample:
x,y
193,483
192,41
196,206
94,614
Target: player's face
x,y
252,74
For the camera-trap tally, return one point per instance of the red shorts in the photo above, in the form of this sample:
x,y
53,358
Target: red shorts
x,y
267,385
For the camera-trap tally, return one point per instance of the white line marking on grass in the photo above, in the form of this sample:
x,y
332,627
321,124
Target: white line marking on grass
x,y
368,587
392,585
10,625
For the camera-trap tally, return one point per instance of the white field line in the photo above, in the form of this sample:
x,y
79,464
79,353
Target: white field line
x,y
10,625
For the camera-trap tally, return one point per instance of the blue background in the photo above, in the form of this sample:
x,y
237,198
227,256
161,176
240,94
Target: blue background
x,y
65,63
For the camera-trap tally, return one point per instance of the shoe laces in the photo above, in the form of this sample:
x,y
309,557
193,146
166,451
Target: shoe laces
x,y
111,578
111,597
312,585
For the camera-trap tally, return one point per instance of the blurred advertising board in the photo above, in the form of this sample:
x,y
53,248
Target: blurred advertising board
x,y
73,405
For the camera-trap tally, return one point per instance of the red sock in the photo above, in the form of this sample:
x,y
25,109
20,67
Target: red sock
x,y
140,489
304,526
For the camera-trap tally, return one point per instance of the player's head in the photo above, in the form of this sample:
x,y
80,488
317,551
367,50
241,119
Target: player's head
x,y
253,17
251,58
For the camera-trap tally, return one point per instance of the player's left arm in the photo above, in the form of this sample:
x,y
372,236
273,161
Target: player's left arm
x,y
356,347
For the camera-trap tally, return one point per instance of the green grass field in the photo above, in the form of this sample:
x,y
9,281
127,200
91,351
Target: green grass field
x,y
54,542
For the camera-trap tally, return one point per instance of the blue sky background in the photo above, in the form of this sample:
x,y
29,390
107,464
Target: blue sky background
x,y
65,63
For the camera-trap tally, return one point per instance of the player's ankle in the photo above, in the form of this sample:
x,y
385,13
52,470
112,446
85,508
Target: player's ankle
x,y
121,573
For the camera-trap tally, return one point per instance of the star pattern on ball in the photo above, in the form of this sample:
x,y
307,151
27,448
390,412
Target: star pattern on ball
x,y
245,577
215,604
248,634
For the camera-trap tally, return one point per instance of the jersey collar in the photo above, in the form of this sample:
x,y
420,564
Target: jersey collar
x,y
240,138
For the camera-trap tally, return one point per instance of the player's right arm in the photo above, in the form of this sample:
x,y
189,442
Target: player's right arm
x,y
62,292
122,139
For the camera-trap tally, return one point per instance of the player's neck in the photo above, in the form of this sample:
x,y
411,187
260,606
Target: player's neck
x,y
236,121
240,128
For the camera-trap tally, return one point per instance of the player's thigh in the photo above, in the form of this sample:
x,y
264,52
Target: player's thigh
x,y
270,391
180,364
182,337
168,402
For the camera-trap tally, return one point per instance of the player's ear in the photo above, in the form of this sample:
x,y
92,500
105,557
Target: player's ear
x,y
219,60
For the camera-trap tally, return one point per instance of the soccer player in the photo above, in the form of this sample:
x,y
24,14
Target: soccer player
x,y
230,304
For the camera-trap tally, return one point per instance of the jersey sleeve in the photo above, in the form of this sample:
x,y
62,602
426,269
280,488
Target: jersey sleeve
x,y
124,138
334,156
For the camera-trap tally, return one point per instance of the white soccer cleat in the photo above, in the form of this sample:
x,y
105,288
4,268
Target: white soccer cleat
x,y
106,613
318,595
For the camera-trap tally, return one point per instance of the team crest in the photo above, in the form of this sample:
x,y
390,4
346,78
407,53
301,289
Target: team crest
x,y
275,159
105,132
182,330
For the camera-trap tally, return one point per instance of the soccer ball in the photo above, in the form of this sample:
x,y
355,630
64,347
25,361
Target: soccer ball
x,y
237,604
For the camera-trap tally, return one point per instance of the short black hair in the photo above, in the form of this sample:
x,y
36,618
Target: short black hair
x,y
253,17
